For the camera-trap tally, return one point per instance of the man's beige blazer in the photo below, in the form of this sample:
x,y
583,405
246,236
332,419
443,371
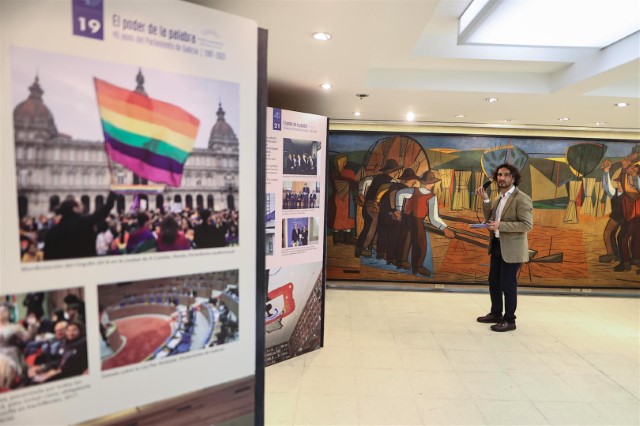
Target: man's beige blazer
x,y
516,222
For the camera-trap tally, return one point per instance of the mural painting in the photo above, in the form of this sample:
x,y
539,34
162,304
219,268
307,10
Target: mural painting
x,y
401,208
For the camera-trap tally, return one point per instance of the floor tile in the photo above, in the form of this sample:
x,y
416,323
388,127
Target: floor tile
x,y
617,414
438,384
379,358
374,410
374,382
511,413
598,388
319,409
545,387
568,413
449,412
458,341
425,360
279,408
474,360
494,386
328,380
416,340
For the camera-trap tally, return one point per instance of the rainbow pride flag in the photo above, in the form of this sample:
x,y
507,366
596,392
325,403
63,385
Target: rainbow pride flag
x,y
151,138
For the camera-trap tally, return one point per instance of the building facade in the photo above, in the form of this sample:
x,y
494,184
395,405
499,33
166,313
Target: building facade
x,y
50,166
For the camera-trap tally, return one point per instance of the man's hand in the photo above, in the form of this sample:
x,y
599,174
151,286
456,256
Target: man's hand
x,y
606,166
481,192
396,215
449,233
493,225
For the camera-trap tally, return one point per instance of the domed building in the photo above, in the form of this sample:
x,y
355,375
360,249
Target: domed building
x,y
51,165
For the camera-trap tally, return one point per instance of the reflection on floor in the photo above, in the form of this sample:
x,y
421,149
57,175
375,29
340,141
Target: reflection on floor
x,y
413,358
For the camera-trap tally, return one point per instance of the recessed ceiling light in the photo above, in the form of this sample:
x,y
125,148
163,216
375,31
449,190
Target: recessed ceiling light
x,y
491,100
622,104
357,113
563,118
322,36
600,123
460,116
507,120
326,86
411,116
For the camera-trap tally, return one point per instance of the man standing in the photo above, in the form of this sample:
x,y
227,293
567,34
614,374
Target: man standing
x,y
509,219
295,236
370,207
415,204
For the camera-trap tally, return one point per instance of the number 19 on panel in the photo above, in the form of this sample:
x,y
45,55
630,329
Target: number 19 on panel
x,y
88,18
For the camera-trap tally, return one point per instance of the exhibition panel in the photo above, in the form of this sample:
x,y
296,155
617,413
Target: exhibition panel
x,y
129,264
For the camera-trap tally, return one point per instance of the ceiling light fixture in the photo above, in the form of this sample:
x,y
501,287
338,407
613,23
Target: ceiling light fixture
x,y
460,116
357,113
622,104
411,116
491,100
563,118
600,123
326,86
322,36
507,120
567,23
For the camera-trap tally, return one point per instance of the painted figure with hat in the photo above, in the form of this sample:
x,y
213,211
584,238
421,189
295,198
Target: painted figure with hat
x,y
341,208
628,238
388,228
370,207
415,205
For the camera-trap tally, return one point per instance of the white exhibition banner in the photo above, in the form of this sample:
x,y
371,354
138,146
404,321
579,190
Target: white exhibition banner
x,y
295,175
127,246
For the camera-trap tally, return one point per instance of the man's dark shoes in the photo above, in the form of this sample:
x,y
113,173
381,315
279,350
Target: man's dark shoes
x,y
623,266
491,318
422,271
504,326
607,258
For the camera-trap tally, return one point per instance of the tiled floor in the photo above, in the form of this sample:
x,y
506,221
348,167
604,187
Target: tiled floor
x,y
414,358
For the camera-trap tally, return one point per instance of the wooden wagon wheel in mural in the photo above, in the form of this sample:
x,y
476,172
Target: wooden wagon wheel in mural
x,y
405,150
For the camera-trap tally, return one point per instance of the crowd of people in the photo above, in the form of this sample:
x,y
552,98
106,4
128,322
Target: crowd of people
x,y
40,348
300,164
67,233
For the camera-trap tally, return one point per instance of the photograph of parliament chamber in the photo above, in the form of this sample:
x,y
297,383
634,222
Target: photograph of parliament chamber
x,y
412,90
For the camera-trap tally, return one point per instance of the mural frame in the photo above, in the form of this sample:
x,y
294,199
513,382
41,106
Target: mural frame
x,y
358,146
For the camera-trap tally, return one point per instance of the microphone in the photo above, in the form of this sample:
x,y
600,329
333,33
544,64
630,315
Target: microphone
x,y
486,185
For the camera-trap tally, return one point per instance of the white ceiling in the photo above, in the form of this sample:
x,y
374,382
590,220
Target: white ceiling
x,y
404,55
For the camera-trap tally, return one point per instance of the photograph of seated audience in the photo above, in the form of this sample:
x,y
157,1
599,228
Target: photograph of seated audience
x,y
42,338
68,233
300,157
300,195
152,319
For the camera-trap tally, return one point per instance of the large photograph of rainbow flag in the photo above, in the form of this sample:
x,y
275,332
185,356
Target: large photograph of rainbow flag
x,y
120,159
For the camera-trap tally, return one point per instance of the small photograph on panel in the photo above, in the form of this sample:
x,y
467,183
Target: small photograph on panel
x,y
300,195
158,318
42,338
300,232
300,157
293,320
117,159
270,223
